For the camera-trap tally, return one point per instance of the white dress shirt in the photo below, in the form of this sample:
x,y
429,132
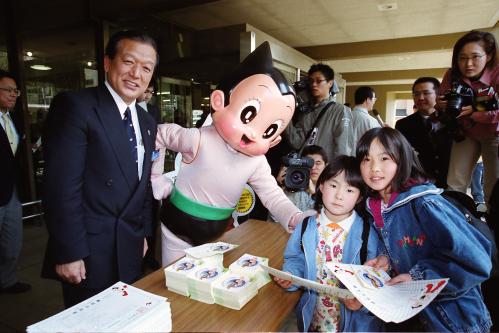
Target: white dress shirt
x,y
135,121
12,127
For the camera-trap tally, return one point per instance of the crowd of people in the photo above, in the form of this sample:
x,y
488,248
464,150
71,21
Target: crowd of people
x,y
104,164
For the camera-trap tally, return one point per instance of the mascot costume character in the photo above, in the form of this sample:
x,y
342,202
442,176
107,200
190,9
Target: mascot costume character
x,y
251,107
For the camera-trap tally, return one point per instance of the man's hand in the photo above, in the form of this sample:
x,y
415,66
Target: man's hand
x,y
72,272
399,279
380,263
283,283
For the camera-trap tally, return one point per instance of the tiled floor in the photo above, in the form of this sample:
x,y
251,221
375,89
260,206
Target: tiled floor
x,y
45,297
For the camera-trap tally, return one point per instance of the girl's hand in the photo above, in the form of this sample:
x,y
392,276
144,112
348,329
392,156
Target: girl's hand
x,y
351,304
465,111
442,102
380,263
283,283
398,279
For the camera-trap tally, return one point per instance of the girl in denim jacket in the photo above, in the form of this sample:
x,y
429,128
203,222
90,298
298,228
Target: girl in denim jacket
x,y
423,235
334,235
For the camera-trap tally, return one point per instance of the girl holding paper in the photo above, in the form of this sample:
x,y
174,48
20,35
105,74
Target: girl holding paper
x,y
424,236
334,235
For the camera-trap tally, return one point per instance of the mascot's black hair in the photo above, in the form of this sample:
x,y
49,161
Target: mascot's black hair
x,y
257,62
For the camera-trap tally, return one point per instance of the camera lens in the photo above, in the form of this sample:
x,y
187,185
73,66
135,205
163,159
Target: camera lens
x,y
297,177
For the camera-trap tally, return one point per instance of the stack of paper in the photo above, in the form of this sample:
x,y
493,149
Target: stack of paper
x,y
233,290
176,274
249,265
120,308
200,282
209,249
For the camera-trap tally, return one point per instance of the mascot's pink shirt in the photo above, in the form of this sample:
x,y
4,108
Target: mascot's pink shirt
x,y
213,173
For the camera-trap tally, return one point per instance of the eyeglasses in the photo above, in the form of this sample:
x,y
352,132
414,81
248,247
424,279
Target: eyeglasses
x,y
150,92
473,58
17,92
425,93
317,81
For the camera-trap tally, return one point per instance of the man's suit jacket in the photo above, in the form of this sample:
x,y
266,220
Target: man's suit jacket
x,y
433,149
96,209
9,165
154,112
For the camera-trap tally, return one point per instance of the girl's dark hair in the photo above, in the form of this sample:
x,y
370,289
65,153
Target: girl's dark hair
x,y
350,165
486,39
409,169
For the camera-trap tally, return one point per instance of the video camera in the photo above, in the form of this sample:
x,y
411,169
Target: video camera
x,y
297,172
458,96
304,98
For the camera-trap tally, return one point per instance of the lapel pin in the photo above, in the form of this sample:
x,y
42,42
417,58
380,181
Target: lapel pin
x,y
149,132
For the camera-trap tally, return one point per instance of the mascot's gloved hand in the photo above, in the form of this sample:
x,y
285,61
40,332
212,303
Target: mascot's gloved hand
x,y
297,218
162,186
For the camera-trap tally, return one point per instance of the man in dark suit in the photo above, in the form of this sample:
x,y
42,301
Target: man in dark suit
x,y
146,97
11,225
98,149
425,133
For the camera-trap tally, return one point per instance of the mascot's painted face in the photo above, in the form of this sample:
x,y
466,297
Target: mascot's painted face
x,y
255,117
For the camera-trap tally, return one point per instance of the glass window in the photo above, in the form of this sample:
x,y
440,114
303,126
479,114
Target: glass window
x,y
55,61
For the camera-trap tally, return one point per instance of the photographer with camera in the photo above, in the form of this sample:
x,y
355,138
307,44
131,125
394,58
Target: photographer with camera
x,y
324,122
298,175
469,101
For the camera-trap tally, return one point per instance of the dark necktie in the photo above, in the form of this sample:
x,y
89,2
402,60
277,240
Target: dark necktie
x,y
127,120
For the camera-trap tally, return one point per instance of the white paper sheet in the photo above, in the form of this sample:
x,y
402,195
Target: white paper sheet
x,y
120,308
395,303
297,281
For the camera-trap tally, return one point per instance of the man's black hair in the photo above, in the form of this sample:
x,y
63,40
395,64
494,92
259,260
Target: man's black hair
x,y
7,74
257,62
424,79
138,36
363,93
327,71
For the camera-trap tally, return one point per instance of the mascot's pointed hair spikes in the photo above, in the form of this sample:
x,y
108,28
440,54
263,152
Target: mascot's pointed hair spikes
x,y
257,62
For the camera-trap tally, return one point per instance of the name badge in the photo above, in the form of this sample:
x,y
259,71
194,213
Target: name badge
x,y
155,155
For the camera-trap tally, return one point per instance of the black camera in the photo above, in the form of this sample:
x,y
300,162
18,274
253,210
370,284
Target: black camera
x,y
297,172
304,98
458,96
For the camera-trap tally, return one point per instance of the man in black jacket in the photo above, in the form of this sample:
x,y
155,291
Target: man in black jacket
x,y
11,225
425,133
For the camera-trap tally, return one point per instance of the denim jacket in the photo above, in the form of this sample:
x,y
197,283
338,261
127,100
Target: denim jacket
x,y
303,264
427,237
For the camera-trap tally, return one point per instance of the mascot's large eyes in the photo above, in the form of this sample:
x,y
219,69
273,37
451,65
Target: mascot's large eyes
x,y
249,111
272,129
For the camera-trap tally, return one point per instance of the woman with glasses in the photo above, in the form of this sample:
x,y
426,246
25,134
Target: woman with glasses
x,y
474,65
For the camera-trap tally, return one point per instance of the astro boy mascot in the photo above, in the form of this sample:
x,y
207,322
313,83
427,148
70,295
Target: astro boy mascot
x,y
251,107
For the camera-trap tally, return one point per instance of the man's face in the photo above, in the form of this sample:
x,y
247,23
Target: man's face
x,y
8,95
370,102
425,97
256,115
319,165
319,86
147,95
130,72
